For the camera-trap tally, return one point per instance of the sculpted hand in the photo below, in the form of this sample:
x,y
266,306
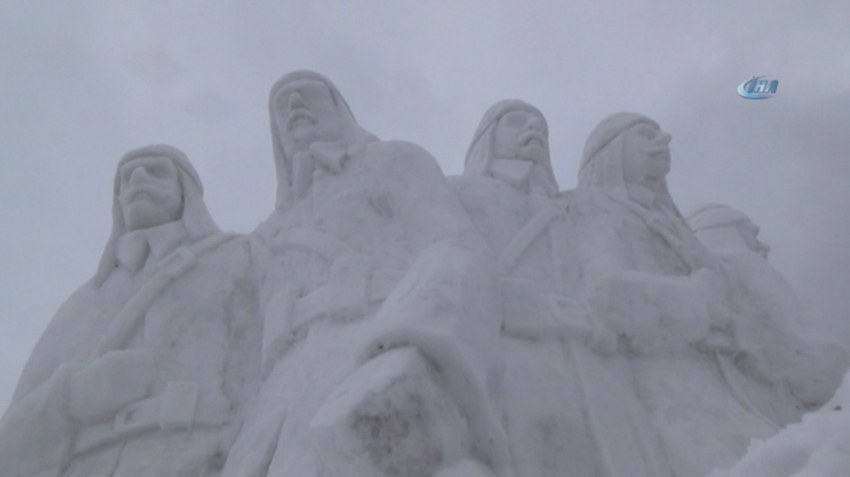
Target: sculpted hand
x,y
711,288
662,313
816,371
110,382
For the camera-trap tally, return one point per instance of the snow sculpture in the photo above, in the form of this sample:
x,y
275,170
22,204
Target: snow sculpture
x,y
131,377
510,193
380,307
663,295
767,312
386,321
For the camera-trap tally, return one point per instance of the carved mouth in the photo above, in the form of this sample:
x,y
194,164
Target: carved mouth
x,y
532,138
137,194
299,114
141,194
660,152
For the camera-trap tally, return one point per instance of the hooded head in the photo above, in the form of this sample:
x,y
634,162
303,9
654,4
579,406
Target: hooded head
x,y
511,131
628,149
720,227
195,217
612,143
297,100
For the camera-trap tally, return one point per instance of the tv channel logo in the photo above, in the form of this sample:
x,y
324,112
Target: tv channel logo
x,y
758,88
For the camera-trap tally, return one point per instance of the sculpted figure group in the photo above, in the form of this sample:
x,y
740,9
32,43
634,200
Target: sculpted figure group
x,y
386,320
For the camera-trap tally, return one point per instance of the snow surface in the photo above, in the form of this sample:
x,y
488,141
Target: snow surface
x,y
388,321
819,446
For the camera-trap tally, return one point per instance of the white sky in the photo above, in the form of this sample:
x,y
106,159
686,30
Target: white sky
x,y
83,82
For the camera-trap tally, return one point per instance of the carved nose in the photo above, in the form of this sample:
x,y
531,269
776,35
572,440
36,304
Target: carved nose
x,y
535,123
139,176
296,101
664,138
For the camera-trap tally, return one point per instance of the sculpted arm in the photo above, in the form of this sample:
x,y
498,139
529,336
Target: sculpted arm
x,y
656,313
57,395
436,344
37,432
652,311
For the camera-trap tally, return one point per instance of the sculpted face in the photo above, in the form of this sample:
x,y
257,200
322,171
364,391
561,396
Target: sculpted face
x,y
749,234
150,193
522,135
306,113
647,159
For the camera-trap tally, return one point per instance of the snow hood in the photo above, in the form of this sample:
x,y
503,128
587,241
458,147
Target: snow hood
x,y
196,218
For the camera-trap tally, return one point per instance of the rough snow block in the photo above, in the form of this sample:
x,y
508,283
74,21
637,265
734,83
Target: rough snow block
x,y
390,418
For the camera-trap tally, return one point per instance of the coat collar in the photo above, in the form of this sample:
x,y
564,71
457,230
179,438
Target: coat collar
x,y
137,248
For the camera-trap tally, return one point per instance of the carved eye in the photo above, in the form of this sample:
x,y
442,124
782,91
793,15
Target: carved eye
x,y
516,119
647,131
127,174
282,102
313,92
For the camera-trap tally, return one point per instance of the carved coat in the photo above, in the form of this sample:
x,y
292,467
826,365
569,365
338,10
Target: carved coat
x,y
530,230
182,293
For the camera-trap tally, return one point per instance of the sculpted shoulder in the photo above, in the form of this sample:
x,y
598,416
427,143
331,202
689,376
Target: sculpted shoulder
x,y
232,253
589,201
404,156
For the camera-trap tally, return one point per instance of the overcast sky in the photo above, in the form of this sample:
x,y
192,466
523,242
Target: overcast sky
x,y
83,82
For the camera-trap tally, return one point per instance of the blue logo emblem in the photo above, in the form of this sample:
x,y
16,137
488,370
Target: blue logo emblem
x,y
758,88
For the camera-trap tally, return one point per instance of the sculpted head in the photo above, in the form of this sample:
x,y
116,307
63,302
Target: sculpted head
x,y
149,192
512,140
647,159
721,227
626,148
306,108
155,185
522,135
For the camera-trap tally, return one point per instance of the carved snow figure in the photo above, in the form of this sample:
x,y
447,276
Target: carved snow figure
x,y
507,184
511,144
686,408
511,195
379,305
145,369
767,314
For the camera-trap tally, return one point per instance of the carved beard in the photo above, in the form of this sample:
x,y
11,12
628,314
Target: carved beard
x,y
523,175
327,155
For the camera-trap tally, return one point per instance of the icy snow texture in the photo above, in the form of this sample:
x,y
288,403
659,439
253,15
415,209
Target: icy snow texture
x,y
388,321
819,446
